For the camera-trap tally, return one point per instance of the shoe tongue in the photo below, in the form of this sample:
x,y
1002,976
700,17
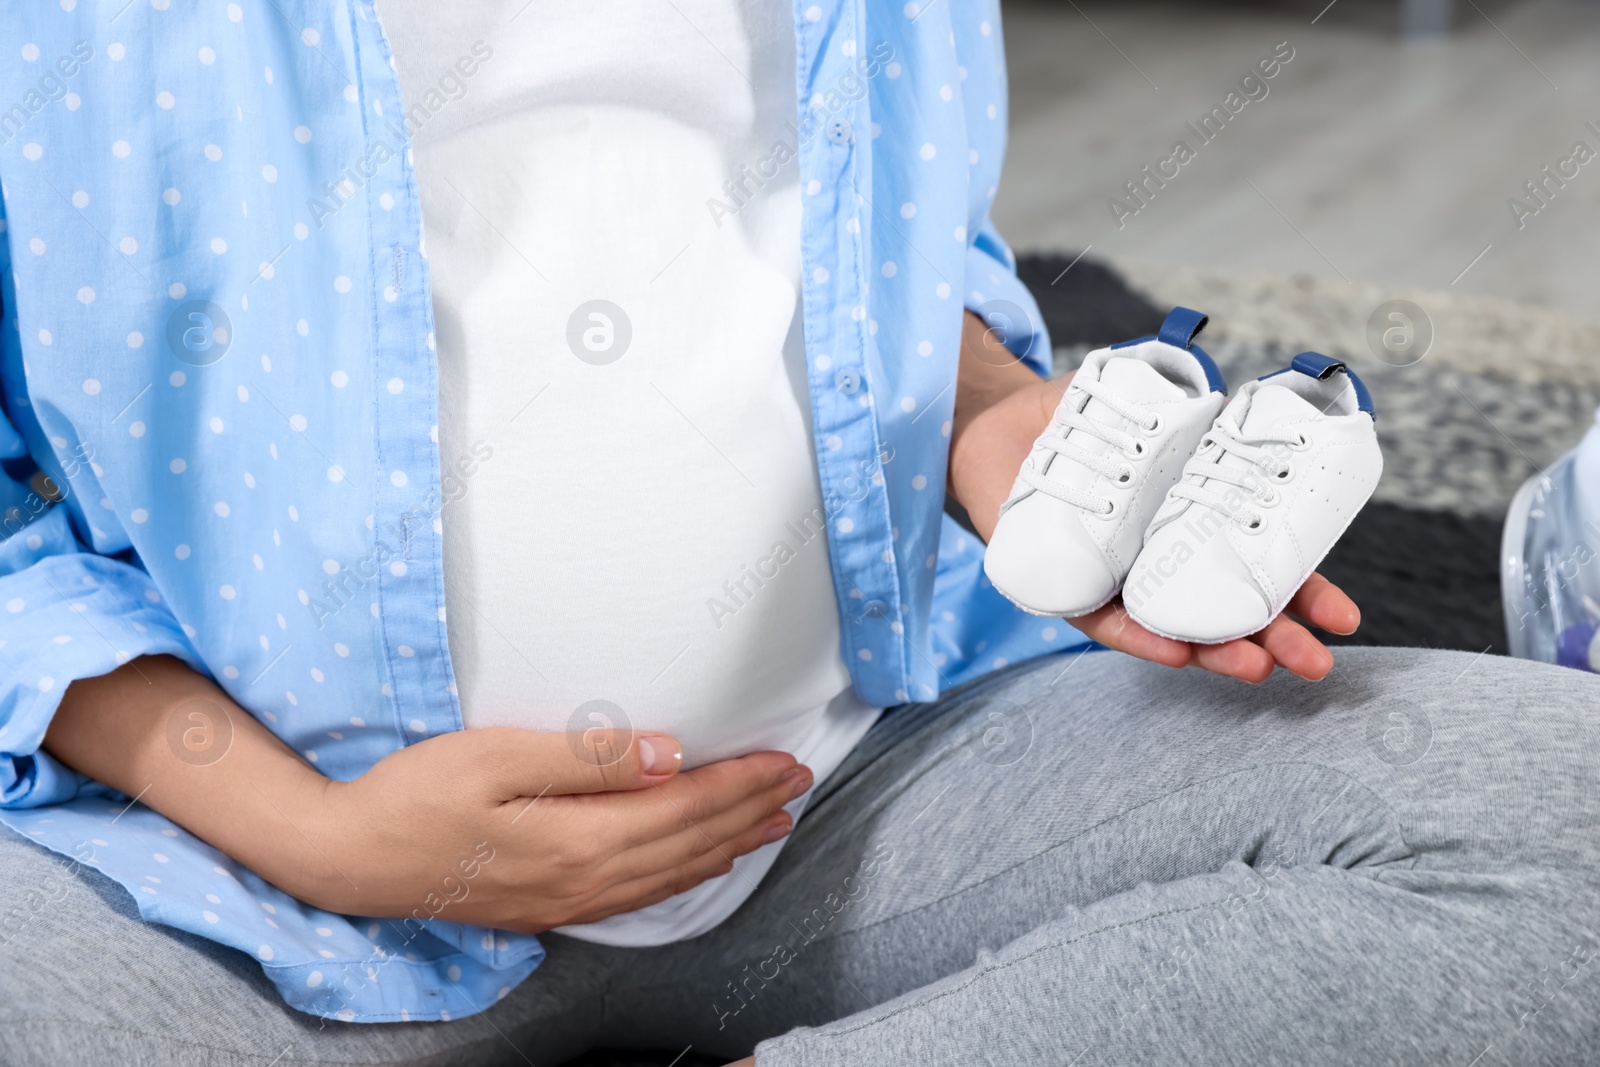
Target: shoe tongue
x,y
1134,381
1270,406
1274,404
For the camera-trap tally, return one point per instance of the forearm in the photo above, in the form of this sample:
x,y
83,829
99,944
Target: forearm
x,y
1001,406
158,731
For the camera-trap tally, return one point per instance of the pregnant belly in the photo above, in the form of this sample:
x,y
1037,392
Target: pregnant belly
x,y
667,595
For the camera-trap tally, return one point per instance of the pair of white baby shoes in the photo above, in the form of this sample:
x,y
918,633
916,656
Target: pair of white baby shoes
x,y
1205,514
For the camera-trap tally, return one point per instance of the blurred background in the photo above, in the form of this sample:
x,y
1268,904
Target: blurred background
x,y
1416,190
1392,149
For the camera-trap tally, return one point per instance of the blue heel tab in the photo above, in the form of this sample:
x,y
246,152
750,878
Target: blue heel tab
x,y
1181,326
1321,367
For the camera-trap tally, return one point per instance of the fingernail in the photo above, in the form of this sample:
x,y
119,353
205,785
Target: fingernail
x,y
776,832
659,754
801,783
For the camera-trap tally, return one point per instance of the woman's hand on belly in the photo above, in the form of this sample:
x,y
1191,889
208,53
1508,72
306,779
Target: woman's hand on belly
x,y
501,827
527,831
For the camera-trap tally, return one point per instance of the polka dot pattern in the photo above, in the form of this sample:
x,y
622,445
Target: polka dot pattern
x,y
234,528
881,366
230,531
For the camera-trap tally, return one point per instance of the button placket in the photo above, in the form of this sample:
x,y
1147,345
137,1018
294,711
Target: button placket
x,y
839,347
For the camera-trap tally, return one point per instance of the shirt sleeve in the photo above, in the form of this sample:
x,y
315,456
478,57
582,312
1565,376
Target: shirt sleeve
x,y
996,295
992,291
65,614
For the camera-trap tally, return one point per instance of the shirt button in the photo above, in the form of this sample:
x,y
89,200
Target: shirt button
x,y
847,381
839,131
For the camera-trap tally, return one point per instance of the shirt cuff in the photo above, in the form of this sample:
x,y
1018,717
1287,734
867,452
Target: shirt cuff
x,y
496,949
995,294
65,614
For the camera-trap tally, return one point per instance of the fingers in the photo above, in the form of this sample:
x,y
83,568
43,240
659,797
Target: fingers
x,y
1295,649
1325,605
527,763
650,889
628,879
621,900
659,864
705,795
1282,642
1243,659
762,811
1112,627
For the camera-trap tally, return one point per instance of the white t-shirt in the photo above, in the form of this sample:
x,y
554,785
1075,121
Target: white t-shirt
x,y
633,526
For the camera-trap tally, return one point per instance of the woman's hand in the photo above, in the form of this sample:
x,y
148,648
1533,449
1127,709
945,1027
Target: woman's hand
x,y
1282,643
1001,407
526,831
500,827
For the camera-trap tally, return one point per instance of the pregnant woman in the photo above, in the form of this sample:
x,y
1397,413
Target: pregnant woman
x,y
477,479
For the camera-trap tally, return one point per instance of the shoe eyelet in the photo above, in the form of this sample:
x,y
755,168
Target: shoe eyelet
x,y
1256,524
1125,477
1284,475
1111,509
1269,499
1206,445
1154,431
1300,446
1136,451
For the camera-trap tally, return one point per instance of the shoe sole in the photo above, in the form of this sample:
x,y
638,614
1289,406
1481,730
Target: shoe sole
x,y
1055,614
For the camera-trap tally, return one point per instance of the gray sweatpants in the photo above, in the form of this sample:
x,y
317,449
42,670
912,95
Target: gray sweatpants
x,y
1084,860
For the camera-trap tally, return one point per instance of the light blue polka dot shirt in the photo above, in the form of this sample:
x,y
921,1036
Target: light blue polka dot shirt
x,y
219,388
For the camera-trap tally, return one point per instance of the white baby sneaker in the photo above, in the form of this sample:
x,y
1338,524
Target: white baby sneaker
x,y
1078,510
1275,483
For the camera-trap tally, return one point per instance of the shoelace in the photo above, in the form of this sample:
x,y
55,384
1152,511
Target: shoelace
x,y
1104,465
1226,437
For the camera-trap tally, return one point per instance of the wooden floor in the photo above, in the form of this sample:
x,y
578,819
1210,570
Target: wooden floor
x,y
1369,159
